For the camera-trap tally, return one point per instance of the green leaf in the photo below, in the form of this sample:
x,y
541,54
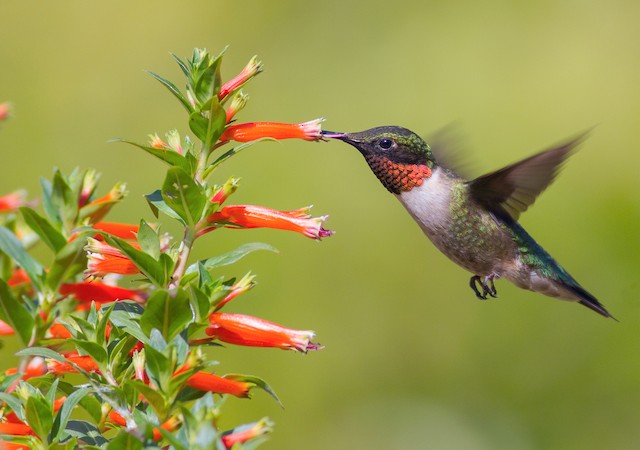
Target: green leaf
x,y
42,351
13,403
64,200
97,352
148,240
10,245
171,157
155,398
259,382
183,195
235,150
154,270
43,228
69,261
173,89
231,257
169,314
157,203
39,416
86,432
210,126
125,441
15,314
89,403
209,81
158,367
63,416
47,202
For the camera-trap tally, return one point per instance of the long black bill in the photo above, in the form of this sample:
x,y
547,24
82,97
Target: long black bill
x,y
333,134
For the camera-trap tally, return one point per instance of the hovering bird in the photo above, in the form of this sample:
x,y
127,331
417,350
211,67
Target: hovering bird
x,y
474,223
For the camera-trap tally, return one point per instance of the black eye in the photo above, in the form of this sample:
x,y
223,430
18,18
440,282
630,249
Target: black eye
x,y
385,143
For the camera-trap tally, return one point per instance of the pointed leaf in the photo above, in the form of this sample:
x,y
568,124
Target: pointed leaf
x,y
61,419
69,262
148,240
157,203
43,352
258,382
15,313
47,202
154,270
168,314
208,83
235,150
64,200
231,257
39,416
10,245
183,195
169,156
43,228
173,89
86,432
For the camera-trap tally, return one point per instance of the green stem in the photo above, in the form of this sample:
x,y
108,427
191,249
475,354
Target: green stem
x,y
183,256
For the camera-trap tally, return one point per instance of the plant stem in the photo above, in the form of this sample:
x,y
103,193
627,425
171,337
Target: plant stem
x,y
183,256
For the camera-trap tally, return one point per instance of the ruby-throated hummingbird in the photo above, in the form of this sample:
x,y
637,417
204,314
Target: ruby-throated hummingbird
x,y
474,223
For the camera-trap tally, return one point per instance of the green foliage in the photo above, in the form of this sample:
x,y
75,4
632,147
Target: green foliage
x,y
132,355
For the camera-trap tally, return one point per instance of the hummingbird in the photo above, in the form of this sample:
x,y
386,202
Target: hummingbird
x,y
474,222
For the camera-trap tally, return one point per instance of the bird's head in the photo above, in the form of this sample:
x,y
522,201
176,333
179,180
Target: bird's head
x,y
397,156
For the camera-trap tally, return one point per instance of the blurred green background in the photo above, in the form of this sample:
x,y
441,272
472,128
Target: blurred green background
x,y
412,360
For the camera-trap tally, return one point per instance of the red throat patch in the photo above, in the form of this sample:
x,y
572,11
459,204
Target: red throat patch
x,y
397,177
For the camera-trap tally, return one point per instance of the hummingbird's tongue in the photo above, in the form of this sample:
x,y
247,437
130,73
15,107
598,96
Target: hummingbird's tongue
x,y
332,134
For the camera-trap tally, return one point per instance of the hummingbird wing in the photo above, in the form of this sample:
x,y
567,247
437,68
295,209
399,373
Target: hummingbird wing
x,y
513,189
450,150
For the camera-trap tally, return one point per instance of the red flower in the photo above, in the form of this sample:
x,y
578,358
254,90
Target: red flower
x,y
104,259
251,331
35,368
5,329
85,362
237,104
253,68
240,287
250,216
121,230
19,276
59,331
171,424
223,193
13,201
209,382
246,433
15,429
89,291
250,131
5,111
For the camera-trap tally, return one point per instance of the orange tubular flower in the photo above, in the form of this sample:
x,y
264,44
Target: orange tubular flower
x,y
85,362
209,382
121,230
5,329
59,331
250,131
251,331
104,259
5,111
89,291
253,68
246,433
12,201
171,424
19,276
250,216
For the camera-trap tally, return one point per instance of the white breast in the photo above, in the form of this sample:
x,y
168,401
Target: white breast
x,y
429,203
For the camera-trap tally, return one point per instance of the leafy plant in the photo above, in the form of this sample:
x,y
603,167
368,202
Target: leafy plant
x,y
114,326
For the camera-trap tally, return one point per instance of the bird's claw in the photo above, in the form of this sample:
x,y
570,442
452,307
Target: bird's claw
x,y
487,285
